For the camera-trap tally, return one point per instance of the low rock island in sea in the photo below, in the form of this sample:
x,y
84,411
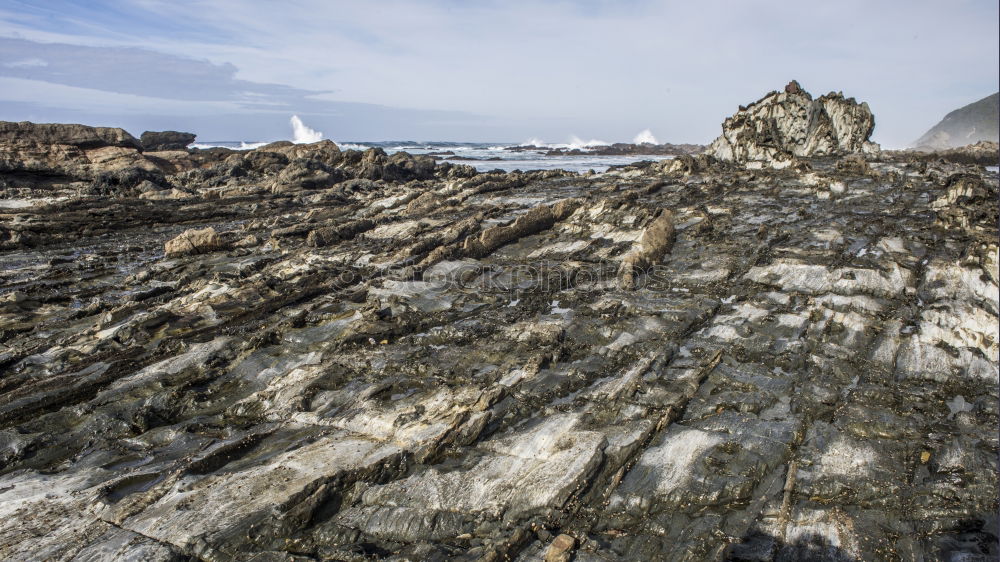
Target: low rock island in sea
x,y
783,348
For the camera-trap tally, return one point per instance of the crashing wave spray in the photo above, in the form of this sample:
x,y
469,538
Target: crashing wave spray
x,y
302,134
577,142
645,137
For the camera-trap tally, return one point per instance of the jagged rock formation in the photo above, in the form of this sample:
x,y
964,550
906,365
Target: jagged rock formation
x,y
978,121
388,359
165,140
783,125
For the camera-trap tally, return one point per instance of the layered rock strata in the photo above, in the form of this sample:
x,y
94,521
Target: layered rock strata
x,y
314,354
782,126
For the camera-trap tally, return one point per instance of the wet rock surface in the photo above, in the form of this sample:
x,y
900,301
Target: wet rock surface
x,y
374,356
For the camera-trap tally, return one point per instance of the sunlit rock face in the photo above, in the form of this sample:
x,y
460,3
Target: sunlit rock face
x,y
783,125
69,150
306,353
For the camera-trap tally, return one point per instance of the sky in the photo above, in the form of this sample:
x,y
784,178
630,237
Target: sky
x,y
485,70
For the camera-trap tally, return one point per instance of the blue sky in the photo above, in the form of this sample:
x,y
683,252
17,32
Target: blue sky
x,y
488,70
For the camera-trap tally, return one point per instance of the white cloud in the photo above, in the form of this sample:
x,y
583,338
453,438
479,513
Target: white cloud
x,y
26,63
90,100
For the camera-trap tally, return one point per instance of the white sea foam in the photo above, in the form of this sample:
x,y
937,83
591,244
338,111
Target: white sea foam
x,y
352,146
230,145
575,142
645,137
302,134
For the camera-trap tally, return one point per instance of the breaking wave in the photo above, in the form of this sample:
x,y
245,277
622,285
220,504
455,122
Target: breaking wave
x,y
302,134
232,145
352,146
645,137
575,142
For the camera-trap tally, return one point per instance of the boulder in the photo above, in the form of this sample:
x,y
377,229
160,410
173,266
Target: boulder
x,y
560,549
259,161
375,164
165,140
126,182
193,241
656,240
781,126
325,151
80,136
307,173
73,151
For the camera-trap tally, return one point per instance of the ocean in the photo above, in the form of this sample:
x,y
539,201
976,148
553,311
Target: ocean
x,y
484,156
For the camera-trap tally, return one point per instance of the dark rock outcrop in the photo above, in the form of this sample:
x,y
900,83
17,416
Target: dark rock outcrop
x,y
307,173
165,140
125,182
781,126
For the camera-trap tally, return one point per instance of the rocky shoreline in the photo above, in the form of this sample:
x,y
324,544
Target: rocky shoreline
x,y
982,153
616,149
784,349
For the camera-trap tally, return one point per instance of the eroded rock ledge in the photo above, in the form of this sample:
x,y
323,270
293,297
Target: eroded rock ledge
x,y
304,353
